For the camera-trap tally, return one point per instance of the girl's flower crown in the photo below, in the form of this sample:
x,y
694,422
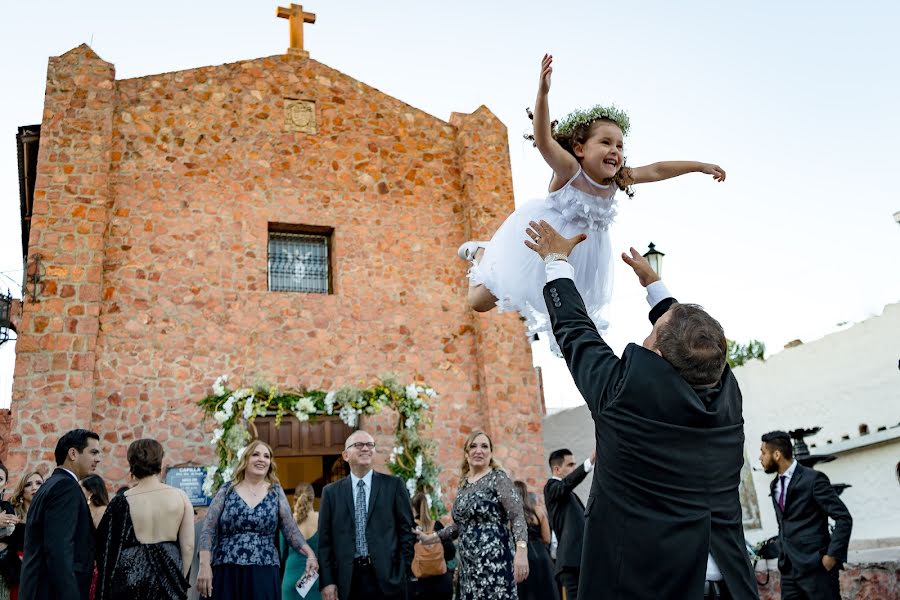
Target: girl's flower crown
x,y
580,117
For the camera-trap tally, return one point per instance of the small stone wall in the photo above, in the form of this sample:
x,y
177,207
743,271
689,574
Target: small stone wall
x,y
864,581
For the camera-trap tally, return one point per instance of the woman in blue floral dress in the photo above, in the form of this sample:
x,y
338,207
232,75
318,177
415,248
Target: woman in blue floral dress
x,y
486,508
239,555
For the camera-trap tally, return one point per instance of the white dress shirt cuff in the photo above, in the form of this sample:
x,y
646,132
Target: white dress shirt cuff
x,y
656,292
588,465
559,269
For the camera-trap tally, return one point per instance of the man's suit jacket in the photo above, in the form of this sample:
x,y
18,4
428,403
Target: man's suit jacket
x,y
59,542
665,488
803,526
566,512
389,534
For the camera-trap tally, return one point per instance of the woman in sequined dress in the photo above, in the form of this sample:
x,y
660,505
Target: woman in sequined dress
x,y
145,540
486,508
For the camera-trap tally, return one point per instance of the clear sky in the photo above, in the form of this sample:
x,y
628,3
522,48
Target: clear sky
x,y
799,102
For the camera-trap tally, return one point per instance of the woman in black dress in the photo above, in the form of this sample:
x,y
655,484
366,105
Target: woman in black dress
x,y
10,565
21,498
146,536
540,584
486,508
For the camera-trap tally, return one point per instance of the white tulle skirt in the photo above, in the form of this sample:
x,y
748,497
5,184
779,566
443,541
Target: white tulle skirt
x,y
515,274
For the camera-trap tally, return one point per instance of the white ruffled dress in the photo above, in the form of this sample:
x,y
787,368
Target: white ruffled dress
x,y
515,275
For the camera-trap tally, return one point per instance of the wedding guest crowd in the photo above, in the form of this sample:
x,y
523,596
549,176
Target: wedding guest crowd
x,y
64,538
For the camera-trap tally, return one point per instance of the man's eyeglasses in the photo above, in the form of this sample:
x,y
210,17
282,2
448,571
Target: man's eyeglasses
x,y
361,445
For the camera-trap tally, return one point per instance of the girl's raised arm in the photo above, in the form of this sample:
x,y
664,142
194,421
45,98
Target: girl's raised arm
x,y
673,168
564,165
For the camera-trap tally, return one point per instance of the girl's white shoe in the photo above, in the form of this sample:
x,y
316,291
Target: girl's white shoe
x,y
467,251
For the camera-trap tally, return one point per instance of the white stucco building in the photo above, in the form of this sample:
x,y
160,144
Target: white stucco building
x,y
838,382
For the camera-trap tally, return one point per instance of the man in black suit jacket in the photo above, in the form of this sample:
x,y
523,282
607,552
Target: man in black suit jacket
x,y
811,559
566,512
669,427
366,530
59,538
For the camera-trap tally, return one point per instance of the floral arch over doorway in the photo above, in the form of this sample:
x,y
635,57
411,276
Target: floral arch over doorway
x,y
411,459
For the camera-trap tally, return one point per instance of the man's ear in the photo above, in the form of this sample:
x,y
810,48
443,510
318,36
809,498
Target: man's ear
x,y
72,454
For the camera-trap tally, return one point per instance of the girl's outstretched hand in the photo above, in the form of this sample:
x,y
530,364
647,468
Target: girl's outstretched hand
x,y
717,172
546,71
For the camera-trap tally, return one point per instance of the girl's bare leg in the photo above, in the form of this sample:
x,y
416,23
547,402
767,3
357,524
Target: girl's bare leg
x,y
480,299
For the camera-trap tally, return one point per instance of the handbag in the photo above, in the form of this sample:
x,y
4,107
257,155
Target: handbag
x,y
428,560
768,549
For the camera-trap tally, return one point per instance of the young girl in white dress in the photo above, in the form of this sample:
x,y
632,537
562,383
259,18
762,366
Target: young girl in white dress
x,y
585,153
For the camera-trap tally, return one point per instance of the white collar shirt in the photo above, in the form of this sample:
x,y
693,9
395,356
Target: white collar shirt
x,y
787,480
367,481
74,476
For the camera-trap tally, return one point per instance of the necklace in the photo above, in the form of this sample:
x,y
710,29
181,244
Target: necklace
x,y
252,488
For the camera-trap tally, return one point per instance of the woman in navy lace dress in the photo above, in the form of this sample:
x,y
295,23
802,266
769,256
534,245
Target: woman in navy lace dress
x,y
487,507
239,555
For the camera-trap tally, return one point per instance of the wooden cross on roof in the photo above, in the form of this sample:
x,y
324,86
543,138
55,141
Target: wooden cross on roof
x,y
296,17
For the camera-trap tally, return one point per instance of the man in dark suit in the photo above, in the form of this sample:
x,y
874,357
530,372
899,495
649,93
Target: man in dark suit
x,y
59,537
811,559
664,500
366,530
566,512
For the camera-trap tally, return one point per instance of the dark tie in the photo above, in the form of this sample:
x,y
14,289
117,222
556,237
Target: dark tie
x,y
780,496
362,548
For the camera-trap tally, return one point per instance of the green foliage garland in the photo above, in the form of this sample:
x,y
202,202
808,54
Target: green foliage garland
x,y
411,459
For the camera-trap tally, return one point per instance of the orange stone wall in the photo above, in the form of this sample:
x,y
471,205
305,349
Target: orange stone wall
x,y
152,207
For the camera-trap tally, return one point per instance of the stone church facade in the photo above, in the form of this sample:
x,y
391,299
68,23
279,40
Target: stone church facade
x,y
156,203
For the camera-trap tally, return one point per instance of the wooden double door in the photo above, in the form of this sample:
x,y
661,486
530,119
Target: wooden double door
x,y
306,452
292,437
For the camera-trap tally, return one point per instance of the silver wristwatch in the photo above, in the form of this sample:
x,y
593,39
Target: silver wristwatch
x,y
555,256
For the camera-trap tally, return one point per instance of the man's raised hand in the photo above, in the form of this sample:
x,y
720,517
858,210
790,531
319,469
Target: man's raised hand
x,y
646,275
546,240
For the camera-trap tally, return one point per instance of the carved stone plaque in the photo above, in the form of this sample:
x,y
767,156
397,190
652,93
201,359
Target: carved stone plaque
x,y
300,115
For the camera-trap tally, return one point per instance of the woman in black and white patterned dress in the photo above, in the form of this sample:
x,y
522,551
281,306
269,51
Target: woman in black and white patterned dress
x,y
486,508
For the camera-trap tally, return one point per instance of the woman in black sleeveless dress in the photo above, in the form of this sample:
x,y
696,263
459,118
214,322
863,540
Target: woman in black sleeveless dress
x,y
540,584
128,569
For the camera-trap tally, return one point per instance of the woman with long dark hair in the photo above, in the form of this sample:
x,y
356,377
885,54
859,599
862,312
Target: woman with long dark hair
x,y
94,489
540,584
